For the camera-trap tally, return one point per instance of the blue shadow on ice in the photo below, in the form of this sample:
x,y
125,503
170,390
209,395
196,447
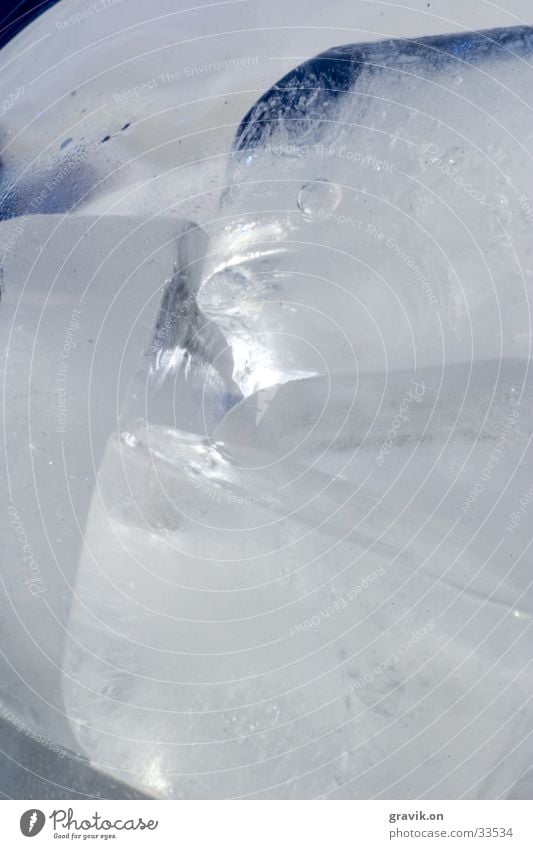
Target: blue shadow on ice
x,y
307,95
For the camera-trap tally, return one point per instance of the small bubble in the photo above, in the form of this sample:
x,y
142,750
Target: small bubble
x,y
318,196
453,155
500,201
457,79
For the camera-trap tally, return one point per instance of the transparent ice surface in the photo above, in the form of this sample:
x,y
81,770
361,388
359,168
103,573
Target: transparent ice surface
x,y
306,569
79,298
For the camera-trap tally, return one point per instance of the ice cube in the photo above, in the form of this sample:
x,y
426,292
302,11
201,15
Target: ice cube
x,y
317,583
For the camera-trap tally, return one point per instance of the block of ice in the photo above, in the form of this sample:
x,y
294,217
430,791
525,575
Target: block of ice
x,y
305,570
79,297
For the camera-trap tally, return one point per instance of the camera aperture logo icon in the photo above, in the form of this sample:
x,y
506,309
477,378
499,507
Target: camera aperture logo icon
x,y
32,822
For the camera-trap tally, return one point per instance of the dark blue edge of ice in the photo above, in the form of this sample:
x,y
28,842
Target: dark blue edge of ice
x,y
303,97
293,99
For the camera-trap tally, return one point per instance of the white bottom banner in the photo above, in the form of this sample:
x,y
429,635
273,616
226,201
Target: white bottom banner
x,y
267,824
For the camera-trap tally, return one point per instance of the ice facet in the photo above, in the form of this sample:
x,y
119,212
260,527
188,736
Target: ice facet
x,y
306,567
78,304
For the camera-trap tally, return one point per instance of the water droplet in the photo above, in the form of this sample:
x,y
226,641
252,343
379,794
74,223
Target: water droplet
x,y
318,197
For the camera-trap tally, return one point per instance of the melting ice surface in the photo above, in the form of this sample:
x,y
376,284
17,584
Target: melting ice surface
x,y
306,570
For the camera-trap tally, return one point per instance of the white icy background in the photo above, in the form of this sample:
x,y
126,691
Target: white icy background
x,y
481,279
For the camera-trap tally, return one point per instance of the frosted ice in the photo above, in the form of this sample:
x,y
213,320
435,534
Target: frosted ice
x,y
251,625
306,567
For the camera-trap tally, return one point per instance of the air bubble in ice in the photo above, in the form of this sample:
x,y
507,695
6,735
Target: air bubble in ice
x,y
317,197
499,201
453,155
